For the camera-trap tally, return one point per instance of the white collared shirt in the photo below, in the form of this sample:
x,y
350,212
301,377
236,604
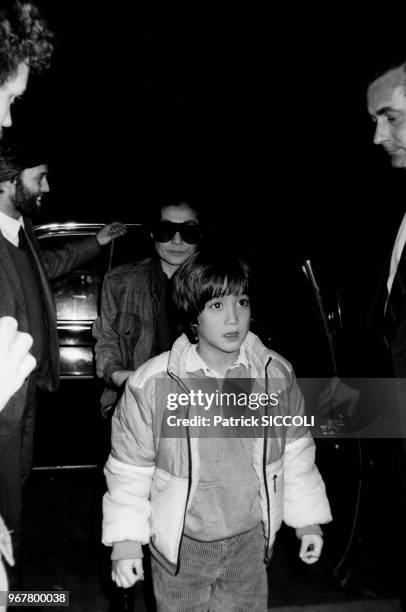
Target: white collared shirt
x,y
396,255
194,362
10,227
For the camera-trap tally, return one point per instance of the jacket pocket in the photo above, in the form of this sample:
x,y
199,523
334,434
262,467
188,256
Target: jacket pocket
x,y
168,503
161,479
128,327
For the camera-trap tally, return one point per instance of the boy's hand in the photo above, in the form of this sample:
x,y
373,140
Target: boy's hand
x,y
310,549
126,572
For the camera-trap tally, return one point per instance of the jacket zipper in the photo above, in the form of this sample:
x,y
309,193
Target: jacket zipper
x,y
183,386
268,535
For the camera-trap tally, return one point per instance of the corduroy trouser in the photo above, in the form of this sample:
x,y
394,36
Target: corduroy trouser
x,y
223,576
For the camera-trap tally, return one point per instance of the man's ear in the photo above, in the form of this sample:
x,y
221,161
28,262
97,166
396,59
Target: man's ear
x,y
7,187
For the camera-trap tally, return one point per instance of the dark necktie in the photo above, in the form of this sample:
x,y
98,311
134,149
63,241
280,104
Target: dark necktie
x,y
22,241
396,298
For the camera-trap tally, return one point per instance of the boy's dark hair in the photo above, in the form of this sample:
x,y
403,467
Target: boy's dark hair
x,y
208,274
24,37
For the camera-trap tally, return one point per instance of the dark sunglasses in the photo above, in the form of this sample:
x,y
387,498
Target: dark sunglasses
x,y
163,231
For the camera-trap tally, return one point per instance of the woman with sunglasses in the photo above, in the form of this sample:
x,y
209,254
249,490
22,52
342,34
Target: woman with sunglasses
x,y
133,325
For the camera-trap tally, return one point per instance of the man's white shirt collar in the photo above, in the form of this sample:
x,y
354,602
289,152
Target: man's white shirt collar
x,y
10,227
397,253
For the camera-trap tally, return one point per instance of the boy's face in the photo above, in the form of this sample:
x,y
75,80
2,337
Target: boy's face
x,y
224,323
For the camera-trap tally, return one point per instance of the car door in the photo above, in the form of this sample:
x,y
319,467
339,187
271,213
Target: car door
x,y
298,313
70,432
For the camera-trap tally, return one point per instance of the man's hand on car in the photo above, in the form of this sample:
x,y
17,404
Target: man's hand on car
x,y
109,232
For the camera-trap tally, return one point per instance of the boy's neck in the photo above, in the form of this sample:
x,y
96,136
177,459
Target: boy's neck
x,y
219,361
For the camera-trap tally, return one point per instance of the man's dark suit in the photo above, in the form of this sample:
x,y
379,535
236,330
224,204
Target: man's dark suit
x,y
17,418
365,356
393,356
378,365
385,356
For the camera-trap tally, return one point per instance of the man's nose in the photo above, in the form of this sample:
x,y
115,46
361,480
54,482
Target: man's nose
x,y
45,185
381,132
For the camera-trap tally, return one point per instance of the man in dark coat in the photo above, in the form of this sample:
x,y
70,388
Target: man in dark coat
x,y
27,296
375,399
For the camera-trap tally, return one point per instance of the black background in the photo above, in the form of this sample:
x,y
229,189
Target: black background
x,y
259,114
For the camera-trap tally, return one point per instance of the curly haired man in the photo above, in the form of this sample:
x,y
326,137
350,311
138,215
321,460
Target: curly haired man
x,y
25,45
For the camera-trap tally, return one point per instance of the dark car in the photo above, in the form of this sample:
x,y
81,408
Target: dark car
x,y
70,431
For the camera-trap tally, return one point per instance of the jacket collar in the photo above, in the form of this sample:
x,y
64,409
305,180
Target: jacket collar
x,y
258,355
159,278
195,363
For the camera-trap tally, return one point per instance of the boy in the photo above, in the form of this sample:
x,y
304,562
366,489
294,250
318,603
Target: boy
x,y
209,506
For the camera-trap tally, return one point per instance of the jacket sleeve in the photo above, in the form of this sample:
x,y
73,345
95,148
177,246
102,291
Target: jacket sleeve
x,y
61,261
129,469
305,499
107,348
